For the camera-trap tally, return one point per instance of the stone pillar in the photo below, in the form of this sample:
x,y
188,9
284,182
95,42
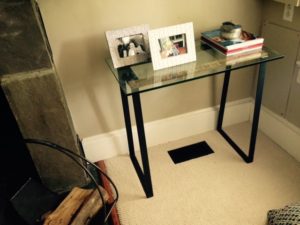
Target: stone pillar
x,y
34,93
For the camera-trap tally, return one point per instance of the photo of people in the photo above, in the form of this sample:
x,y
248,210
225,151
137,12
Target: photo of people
x,y
172,46
131,45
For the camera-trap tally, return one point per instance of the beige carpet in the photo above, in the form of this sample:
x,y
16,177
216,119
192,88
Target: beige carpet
x,y
218,189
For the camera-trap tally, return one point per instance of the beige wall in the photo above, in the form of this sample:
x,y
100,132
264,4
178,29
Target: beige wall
x,y
273,12
76,30
284,37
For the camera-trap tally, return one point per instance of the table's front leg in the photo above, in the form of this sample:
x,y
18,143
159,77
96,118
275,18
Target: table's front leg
x,y
257,106
144,175
146,178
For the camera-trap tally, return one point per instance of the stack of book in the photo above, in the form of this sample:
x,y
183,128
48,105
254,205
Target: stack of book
x,y
240,58
246,43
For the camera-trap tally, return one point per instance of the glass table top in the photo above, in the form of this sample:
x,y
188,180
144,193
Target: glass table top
x,y
141,78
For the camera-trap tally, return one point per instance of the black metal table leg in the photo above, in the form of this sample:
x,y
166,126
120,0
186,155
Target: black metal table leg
x,y
127,123
223,99
144,175
258,99
260,83
146,178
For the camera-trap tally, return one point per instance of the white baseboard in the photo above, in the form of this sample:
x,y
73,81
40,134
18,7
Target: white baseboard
x,y
114,143
282,132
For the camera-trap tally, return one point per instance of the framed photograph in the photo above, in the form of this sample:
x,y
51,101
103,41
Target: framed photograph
x,y
173,45
129,46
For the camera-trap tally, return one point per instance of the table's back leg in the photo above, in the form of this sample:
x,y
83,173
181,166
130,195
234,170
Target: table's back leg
x,y
127,123
223,100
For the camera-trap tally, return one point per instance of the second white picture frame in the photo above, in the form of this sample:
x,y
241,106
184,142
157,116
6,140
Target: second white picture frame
x,y
171,46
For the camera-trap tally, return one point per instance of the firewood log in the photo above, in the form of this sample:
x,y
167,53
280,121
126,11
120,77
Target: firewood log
x,y
90,207
64,213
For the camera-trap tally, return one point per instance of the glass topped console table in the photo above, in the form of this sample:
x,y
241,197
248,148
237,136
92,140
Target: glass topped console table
x,y
134,80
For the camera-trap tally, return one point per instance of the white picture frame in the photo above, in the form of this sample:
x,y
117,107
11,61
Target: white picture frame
x,y
171,46
119,42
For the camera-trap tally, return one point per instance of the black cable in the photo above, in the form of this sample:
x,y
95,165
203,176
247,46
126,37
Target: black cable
x,y
71,154
56,146
50,144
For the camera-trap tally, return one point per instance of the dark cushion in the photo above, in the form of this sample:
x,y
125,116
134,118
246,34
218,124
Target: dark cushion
x,y
289,215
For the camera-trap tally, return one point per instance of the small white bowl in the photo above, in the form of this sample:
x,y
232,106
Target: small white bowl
x,y
233,34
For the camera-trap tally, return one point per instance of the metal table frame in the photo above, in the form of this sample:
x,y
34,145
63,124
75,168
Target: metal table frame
x,y
143,170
